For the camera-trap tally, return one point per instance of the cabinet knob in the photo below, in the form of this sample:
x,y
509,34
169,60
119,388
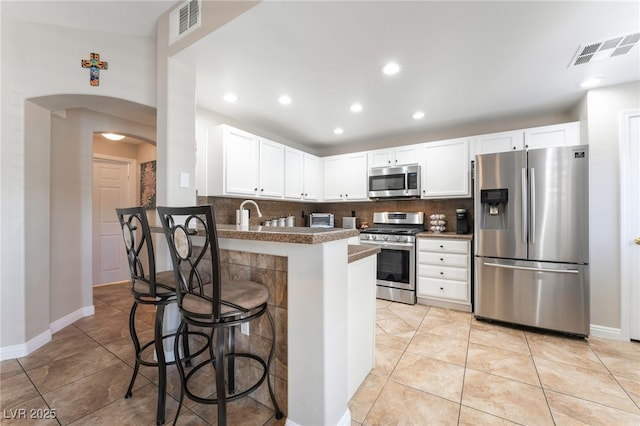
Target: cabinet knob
x,y
305,194
262,190
346,195
441,246
302,194
388,161
255,189
441,273
441,260
441,288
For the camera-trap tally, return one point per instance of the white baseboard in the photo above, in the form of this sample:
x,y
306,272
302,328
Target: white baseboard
x,y
606,332
24,349
71,318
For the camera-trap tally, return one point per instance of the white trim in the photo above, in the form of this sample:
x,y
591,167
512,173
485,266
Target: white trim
x,y
625,249
24,349
69,319
606,332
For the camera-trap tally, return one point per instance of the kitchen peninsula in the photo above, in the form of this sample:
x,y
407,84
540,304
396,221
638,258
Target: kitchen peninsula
x,y
321,288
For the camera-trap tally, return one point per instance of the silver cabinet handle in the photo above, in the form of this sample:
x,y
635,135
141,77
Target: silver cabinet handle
x,y
527,268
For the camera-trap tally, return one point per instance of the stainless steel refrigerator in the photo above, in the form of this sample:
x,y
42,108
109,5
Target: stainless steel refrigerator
x,y
532,238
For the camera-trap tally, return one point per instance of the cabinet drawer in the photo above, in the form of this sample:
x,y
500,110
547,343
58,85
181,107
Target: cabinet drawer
x,y
433,287
444,259
448,246
442,272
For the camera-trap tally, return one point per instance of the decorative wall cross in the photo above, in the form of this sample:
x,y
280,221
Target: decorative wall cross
x,y
95,65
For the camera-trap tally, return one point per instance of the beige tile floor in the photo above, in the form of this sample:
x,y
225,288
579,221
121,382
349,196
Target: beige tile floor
x,y
438,366
84,372
433,366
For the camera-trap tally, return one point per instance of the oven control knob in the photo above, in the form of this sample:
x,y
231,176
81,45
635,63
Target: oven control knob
x,y
385,237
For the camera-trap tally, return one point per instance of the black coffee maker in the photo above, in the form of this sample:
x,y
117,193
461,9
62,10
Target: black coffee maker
x,y
462,221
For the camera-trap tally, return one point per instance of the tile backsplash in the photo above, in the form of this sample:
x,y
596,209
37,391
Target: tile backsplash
x,y
225,209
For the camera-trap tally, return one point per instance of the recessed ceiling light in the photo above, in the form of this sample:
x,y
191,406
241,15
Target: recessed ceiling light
x,y
591,82
284,100
356,107
391,68
113,136
230,97
418,115
338,131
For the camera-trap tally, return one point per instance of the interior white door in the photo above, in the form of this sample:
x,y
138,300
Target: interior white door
x,y
112,188
630,208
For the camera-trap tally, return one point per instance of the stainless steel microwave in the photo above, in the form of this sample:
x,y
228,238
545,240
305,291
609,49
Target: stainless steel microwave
x,y
395,182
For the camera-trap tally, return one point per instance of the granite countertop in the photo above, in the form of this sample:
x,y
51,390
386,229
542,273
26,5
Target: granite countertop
x,y
298,235
357,252
453,235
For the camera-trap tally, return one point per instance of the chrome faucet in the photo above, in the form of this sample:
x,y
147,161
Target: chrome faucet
x,y
242,218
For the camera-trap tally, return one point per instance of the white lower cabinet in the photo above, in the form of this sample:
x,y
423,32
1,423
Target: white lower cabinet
x,y
444,272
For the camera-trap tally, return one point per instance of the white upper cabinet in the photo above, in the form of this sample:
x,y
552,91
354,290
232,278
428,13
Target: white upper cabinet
x,y
271,169
566,134
234,162
312,177
497,142
345,177
241,161
301,176
393,156
446,171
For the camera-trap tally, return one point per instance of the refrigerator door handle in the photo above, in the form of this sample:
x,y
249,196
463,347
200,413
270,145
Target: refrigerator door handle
x,y
523,213
526,268
532,215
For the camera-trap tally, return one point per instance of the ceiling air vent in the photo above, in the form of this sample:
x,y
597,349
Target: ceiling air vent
x,y
603,49
184,19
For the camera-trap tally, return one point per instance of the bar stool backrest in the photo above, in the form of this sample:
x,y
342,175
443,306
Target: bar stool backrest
x,y
193,243
140,255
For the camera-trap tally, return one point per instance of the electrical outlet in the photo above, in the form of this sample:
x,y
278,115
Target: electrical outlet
x,y
244,328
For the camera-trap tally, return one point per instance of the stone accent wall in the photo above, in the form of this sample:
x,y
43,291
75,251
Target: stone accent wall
x,y
271,271
225,209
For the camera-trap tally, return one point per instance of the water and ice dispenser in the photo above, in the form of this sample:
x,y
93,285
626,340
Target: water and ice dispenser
x,y
494,208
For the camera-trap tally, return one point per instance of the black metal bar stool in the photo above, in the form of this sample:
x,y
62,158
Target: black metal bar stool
x,y
206,301
148,287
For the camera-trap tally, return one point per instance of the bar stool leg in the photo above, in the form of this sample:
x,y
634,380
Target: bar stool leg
x,y
231,362
220,387
136,346
276,407
162,366
176,354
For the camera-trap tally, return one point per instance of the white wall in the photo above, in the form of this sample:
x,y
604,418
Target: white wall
x,y
603,107
131,76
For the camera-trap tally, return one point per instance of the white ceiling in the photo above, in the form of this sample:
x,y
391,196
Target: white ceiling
x,y
462,62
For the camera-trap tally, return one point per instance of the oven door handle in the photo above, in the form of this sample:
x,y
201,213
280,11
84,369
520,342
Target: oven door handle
x,y
382,244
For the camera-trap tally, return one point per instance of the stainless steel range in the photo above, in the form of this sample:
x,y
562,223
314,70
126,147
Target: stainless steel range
x,y
394,233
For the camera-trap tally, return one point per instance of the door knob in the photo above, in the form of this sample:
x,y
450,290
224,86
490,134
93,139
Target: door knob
x,y
637,241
